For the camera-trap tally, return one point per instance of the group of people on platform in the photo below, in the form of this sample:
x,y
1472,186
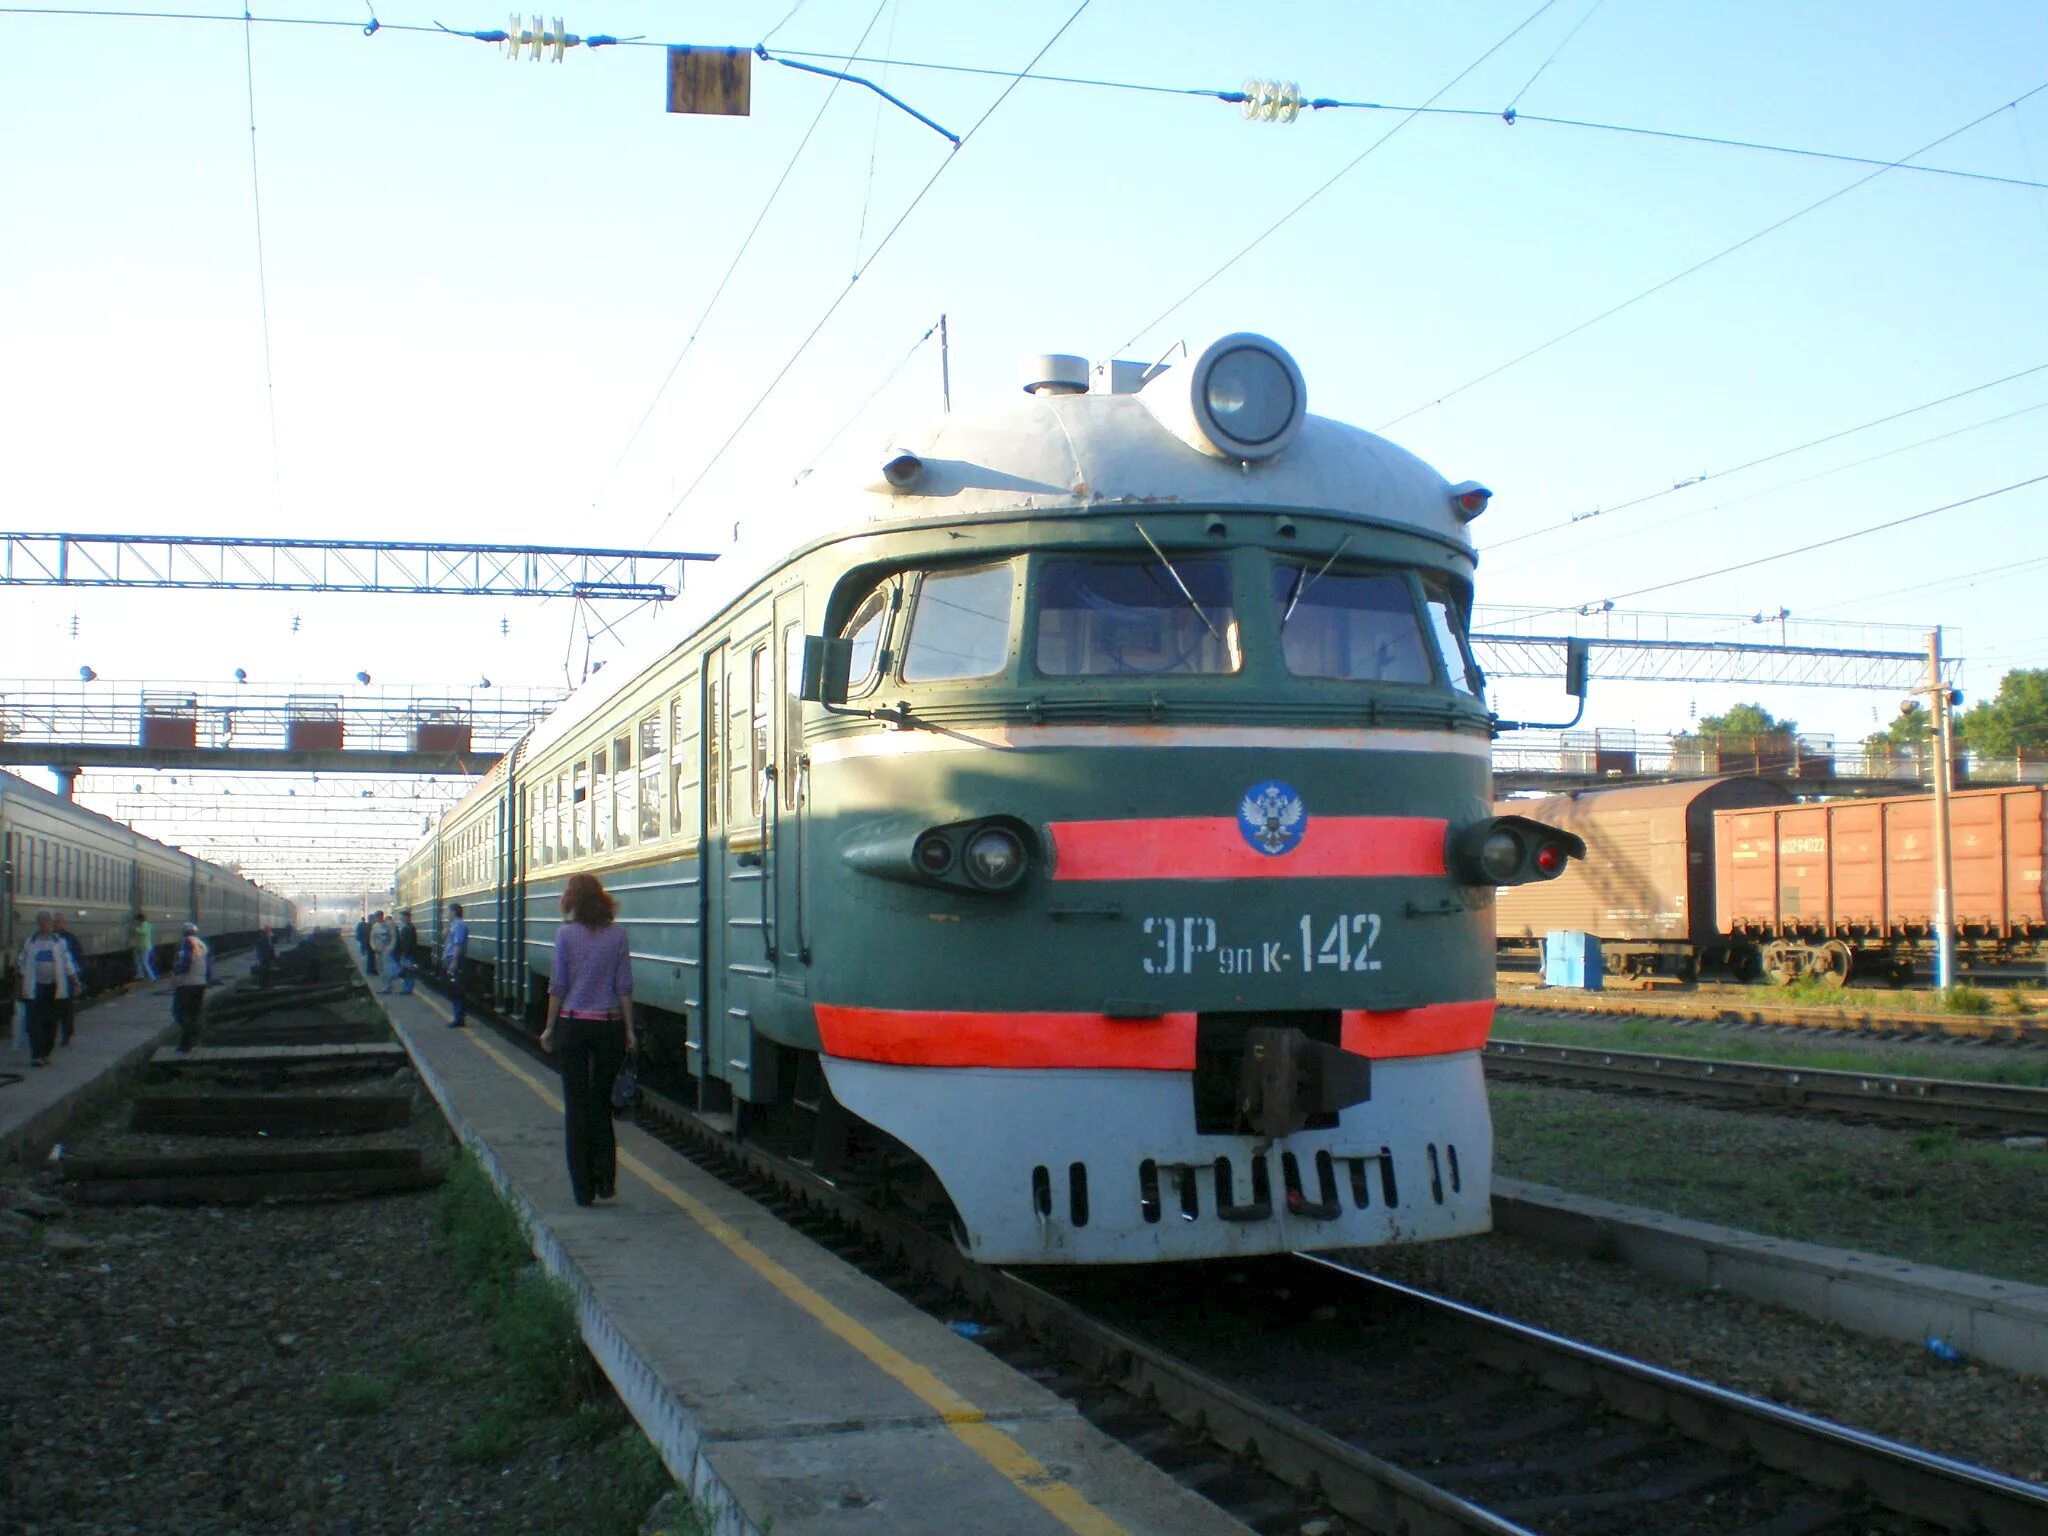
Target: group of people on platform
x,y
589,1014
392,950
52,972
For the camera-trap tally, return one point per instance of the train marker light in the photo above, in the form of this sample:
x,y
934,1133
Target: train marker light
x,y
932,854
1511,850
1469,499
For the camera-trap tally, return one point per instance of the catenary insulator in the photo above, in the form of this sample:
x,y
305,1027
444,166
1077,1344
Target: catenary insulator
x,y
1272,101
537,40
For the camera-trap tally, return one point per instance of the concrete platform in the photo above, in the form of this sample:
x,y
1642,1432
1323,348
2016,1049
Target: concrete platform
x,y
117,1032
779,1384
2000,1322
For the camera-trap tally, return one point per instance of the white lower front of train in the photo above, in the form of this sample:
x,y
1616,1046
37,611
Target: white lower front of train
x,y
1106,1167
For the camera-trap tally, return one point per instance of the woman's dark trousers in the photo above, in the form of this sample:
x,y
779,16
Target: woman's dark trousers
x,y
592,1051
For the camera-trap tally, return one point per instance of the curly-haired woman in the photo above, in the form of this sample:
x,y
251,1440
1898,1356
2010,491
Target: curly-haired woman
x,y
590,1024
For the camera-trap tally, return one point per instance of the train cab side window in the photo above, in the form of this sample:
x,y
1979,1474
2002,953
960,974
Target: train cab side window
x,y
866,629
960,624
1447,624
1358,625
1131,618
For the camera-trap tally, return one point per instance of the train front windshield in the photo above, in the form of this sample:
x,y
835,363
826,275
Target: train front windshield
x,y
1040,620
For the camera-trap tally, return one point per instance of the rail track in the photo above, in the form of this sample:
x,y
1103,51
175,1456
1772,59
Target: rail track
x,y
1299,1390
1737,1005
1993,1108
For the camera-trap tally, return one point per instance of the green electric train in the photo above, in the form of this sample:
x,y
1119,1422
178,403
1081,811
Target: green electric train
x,y
1080,806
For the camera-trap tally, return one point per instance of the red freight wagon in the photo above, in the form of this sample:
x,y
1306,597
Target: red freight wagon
x,y
1848,886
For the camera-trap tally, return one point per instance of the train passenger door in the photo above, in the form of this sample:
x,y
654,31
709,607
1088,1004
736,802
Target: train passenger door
x,y
707,1029
789,943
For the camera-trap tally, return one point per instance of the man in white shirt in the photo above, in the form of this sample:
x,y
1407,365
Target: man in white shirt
x,y
49,978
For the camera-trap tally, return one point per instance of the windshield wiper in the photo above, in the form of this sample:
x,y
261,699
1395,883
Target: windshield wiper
x,y
1303,581
1184,592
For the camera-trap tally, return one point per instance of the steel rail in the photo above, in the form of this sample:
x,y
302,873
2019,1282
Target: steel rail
x,y
2002,1107
2010,1028
1331,1473
1950,1494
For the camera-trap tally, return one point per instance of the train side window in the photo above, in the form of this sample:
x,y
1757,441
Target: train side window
x,y
579,811
714,731
601,797
682,759
758,680
623,820
866,629
1447,624
792,711
1359,625
1130,618
559,815
650,777
960,626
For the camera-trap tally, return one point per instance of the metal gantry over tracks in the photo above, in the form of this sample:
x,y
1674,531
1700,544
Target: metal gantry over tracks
x,y
206,564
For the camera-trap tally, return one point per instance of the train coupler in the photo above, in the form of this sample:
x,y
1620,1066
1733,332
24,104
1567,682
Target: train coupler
x,y
1285,1079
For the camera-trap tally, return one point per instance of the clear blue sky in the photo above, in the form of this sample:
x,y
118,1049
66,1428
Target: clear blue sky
x,y
479,271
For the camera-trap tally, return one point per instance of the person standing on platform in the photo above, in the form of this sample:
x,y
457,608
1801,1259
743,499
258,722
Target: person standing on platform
x,y
408,950
67,1008
363,942
590,1024
48,980
142,946
455,962
383,948
194,971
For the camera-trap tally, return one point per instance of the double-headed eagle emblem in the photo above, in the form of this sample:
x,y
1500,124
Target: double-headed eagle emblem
x,y
1273,817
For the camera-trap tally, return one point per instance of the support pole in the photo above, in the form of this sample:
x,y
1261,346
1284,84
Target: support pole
x,y
945,368
1944,872
67,781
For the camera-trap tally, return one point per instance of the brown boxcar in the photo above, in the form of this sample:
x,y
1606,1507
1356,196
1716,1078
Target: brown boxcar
x,y
1845,886
1646,883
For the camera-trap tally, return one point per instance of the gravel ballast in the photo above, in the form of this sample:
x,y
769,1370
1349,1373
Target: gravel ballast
x,y
309,1368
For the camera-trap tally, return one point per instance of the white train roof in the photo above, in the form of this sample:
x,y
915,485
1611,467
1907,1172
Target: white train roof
x,y
1098,452
1110,448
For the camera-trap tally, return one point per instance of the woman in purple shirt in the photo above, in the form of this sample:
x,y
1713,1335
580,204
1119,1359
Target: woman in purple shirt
x,y
590,1023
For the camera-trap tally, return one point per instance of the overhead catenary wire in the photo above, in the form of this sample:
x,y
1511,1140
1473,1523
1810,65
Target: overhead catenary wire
x,y
1787,554
833,308
1233,96
861,410
1512,117
1578,519
1577,27
739,256
1351,165
1788,485
1700,266
262,267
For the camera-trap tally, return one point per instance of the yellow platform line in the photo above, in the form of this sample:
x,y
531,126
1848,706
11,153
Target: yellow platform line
x,y
968,1423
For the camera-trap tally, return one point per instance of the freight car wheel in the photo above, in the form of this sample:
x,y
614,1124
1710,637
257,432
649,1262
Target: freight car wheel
x,y
1780,964
1837,961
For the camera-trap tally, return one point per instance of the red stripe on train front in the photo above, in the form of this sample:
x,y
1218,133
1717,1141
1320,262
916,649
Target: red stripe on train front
x,y
1213,848
947,1037
1435,1029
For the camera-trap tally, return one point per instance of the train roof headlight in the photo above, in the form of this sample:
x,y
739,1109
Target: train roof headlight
x,y
1242,398
1250,395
